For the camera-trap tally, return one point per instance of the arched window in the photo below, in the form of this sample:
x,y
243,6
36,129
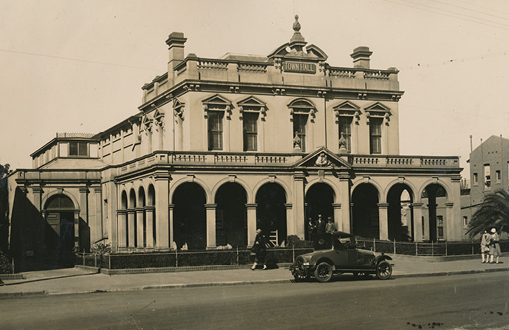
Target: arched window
x,y
302,111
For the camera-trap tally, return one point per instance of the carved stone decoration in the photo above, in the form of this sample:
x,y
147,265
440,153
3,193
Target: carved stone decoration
x,y
146,124
263,111
178,109
228,112
205,111
159,119
342,141
277,64
322,160
296,141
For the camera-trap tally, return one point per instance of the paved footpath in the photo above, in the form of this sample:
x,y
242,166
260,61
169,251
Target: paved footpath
x,y
86,280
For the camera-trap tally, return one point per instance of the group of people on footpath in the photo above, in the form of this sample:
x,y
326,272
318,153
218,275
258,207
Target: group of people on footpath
x,y
490,246
320,227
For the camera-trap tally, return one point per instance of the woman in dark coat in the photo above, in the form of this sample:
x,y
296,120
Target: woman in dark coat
x,y
259,249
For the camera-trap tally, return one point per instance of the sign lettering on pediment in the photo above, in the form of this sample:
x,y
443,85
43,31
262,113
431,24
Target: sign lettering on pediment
x,y
299,67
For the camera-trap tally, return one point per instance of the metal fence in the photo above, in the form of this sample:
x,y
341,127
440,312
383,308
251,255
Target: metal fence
x,y
425,249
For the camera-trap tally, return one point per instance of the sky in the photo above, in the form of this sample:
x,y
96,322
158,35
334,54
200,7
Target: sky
x,y
78,66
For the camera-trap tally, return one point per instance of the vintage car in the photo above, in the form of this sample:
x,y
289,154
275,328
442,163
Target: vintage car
x,y
336,253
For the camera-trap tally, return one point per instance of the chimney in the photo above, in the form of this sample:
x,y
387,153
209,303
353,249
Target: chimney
x,y
360,57
176,43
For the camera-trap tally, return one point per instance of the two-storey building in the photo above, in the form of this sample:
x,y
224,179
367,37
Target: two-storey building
x,y
221,147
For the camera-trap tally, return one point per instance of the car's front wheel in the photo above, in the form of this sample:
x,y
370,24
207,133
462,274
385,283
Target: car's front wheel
x,y
323,272
383,270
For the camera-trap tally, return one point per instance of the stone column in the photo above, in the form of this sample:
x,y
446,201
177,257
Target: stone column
x,y
417,210
131,219
84,204
170,215
122,230
383,221
344,187
450,227
98,223
211,225
289,220
162,188
298,227
140,213
37,193
110,211
338,216
77,245
149,212
251,223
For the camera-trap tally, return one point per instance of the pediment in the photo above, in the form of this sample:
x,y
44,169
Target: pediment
x,y
251,102
377,107
217,100
346,106
323,158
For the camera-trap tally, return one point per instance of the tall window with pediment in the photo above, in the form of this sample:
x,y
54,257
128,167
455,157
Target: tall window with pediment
x,y
375,136
345,130
215,130
302,112
299,128
250,128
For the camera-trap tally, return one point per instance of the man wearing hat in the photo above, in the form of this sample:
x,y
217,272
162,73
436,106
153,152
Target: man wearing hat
x,y
494,245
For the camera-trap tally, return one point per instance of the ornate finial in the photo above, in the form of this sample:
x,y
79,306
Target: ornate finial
x,y
296,24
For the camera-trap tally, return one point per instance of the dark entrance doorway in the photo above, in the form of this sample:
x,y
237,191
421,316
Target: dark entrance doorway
x,y
189,217
231,215
59,230
365,211
434,197
271,210
319,199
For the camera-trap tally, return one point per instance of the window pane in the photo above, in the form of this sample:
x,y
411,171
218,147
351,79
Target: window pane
x,y
345,127
375,132
82,149
73,148
250,131
215,123
299,126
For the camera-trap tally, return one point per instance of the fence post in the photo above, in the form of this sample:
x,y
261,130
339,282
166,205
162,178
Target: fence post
x,y
109,261
446,248
432,249
394,244
95,260
416,249
374,244
237,255
472,243
293,253
83,258
176,257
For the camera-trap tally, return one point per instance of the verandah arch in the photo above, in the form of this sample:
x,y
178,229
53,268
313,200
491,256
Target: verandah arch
x,y
318,200
231,215
365,214
400,212
271,210
189,216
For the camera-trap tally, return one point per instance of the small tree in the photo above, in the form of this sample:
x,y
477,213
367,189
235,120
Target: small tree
x,y
101,249
494,212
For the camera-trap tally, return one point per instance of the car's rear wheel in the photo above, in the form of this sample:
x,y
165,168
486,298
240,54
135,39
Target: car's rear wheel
x,y
383,270
323,272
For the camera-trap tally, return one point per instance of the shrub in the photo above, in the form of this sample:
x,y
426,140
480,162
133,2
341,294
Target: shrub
x,y
5,264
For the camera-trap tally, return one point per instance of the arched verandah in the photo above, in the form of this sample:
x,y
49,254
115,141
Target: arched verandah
x,y
271,210
189,216
231,215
